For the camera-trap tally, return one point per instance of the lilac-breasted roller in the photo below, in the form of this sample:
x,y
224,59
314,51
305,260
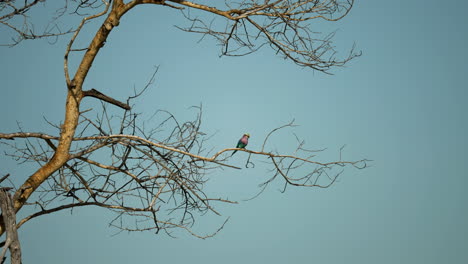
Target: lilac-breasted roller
x,y
242,143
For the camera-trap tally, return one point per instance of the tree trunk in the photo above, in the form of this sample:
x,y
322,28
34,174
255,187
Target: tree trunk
x,y
9,218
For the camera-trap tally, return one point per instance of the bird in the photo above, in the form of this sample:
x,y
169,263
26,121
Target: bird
x,y
242,143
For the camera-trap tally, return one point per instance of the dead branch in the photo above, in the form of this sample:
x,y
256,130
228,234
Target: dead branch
x,y
283,25
96,94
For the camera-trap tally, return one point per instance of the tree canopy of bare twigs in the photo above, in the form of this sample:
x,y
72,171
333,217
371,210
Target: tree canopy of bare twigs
x,y
155,176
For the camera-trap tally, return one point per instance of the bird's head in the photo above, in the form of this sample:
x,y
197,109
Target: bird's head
x,y
247,135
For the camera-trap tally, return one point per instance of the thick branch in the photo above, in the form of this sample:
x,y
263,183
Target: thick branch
x,y
68,206
96,94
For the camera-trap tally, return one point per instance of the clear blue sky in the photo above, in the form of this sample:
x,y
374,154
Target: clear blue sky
x,y
402,104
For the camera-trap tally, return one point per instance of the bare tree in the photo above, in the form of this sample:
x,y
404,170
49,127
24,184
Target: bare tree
x,y
156,175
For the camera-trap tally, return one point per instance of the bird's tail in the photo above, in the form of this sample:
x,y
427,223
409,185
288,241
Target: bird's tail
x,y
233,152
